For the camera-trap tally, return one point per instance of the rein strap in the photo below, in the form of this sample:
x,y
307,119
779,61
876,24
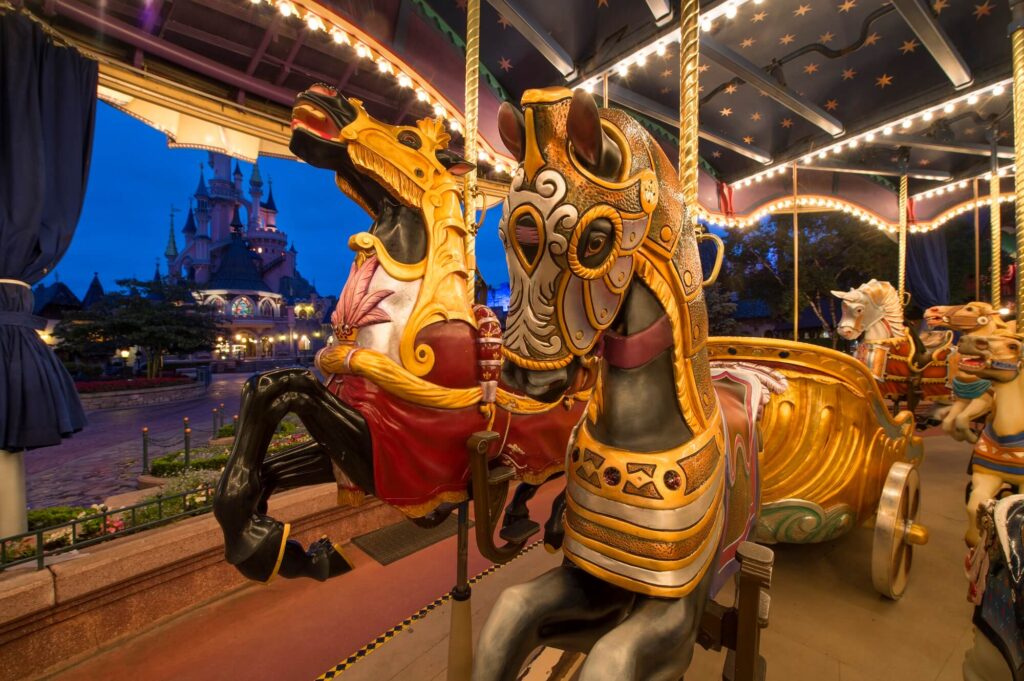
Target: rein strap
x,y
637,349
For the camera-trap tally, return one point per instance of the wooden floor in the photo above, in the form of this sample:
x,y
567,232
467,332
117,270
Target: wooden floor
x,y
827,623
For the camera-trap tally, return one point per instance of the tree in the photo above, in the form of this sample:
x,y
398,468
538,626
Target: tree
x,y
721,306
160,317
837,251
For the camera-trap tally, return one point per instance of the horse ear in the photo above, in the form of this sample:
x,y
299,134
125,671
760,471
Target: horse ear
x,y
584,128
512,129
455,164
841,295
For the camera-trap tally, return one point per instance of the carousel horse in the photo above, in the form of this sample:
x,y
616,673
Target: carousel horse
x,y
998,456
995,568
907,366
971,398
412,373
662,472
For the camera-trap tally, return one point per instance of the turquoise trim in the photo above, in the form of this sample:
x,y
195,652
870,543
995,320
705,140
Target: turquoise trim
x,y
970,390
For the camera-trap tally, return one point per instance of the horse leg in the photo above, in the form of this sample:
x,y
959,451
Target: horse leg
x,y
984,486
255,543
299,466
564,607
654,643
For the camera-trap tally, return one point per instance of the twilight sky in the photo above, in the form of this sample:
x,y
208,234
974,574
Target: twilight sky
x,y
134,180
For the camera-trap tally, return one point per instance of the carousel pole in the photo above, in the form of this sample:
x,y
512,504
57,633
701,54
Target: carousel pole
x,y
689,101
1017,40
460,633
796,261
977,244
903,239
604,87
470,136
995,228
13,499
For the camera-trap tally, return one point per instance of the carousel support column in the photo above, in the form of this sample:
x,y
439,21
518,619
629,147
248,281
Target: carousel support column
x,y
604,86
796,260
977,244
460,638
995,223
472,112
1017,41
13,500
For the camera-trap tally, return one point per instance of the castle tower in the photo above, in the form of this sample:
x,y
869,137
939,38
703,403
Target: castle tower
x,y
270,208
237,177
256,194
189,230
203,204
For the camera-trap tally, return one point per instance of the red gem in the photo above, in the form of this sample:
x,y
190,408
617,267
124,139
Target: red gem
x,y
673,480
612,476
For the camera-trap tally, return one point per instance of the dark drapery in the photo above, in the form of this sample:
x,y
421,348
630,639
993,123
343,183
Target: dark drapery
x,y
927,269
47,111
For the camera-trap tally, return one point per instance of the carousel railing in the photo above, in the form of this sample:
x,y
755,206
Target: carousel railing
x,y
45,543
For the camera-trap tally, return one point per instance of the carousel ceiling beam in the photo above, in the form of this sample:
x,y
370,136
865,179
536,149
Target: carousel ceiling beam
x,y
541,40
755,76
268,35
286,68
136,37
930,144
661,10
668,116
922,22
890,170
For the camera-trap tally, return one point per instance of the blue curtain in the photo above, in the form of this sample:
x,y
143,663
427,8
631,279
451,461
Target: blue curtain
x,y
927,269
47,110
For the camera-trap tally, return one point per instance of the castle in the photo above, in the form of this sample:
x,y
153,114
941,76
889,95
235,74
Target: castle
x,y
245,269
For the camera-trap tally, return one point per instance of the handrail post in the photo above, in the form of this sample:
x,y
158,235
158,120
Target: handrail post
x,y
188,446
145,450
215,429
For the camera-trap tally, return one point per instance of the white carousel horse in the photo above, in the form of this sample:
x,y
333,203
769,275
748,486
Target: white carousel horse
x,y
906,365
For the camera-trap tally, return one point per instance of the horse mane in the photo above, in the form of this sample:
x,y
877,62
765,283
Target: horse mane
x,y
883,295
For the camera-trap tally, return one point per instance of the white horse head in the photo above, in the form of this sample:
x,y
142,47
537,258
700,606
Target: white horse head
x,y
875,303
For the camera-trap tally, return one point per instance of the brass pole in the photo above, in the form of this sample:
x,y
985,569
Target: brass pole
x,y
472,110
604,86
903,239
796,261
977,244
1017,40
689,100
996,232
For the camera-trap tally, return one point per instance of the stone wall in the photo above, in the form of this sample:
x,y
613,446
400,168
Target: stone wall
x,y
53,618
124,399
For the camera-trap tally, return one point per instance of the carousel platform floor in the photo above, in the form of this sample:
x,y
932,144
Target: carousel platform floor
x,y
827,623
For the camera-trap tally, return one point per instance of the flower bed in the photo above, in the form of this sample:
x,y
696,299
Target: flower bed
x,y
86,387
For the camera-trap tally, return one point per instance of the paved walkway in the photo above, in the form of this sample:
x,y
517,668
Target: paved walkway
x,y
827,624
106,457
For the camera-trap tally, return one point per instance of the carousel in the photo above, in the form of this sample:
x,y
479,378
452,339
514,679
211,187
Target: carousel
x,y
670,474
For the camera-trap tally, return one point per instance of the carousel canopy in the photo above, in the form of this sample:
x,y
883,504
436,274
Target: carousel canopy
x,y
854,93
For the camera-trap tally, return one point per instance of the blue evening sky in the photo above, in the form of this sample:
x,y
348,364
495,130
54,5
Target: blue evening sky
x,y
134,180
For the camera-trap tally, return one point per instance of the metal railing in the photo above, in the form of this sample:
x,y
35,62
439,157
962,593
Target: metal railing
x,y
102,526
149,441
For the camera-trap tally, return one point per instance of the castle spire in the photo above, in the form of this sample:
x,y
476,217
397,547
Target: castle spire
x,y
236,222
171,252
269,203
255,179
190,222
201,190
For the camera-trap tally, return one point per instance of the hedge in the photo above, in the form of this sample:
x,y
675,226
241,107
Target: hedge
x,y
84,387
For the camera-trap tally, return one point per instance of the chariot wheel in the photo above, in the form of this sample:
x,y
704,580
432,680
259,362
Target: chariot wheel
x,y
896,530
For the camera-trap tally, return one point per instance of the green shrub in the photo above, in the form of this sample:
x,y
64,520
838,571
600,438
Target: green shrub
x,y
54,515
226,431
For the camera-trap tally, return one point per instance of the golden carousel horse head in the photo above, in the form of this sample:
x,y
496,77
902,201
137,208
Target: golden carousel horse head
x,y
594,206
973,317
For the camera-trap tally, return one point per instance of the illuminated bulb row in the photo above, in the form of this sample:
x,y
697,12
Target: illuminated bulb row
x,y
957,211
441,109
783,205
962,184
926,115
639,58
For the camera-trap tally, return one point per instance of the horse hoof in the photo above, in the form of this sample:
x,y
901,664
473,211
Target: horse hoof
x,y
326,561
267,553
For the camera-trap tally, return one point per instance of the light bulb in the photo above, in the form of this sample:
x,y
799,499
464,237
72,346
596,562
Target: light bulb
x,y
948,108
972,100
339,37
730,12
870,137
998,90
285,8
404,80
421,95
660,50
362,50
927,115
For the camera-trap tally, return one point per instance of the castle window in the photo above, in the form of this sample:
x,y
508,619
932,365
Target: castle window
x,y
266,308
241,307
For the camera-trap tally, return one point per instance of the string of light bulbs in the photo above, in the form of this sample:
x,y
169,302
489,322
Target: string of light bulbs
x,y
405,77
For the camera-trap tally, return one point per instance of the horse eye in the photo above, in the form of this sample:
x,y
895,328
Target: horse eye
x,y
595,244
409,139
